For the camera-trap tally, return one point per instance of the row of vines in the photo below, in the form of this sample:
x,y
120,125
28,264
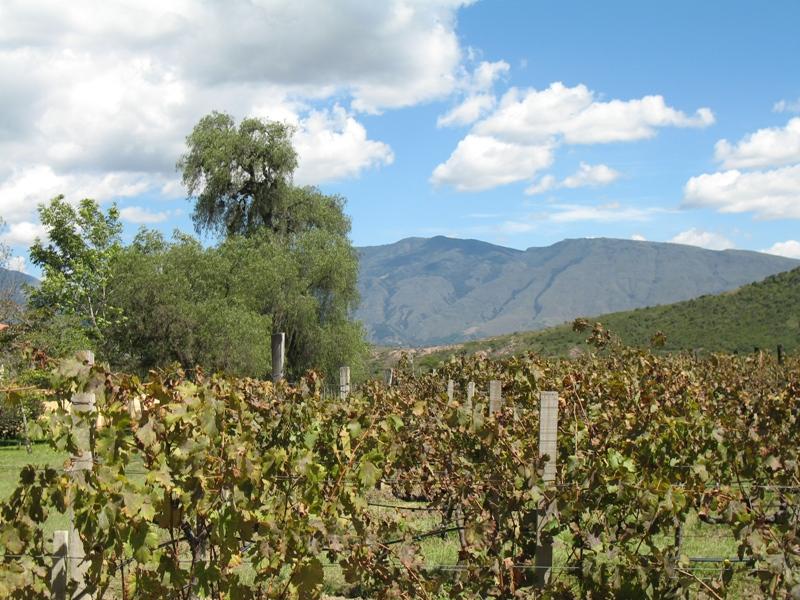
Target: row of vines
x,y
205,486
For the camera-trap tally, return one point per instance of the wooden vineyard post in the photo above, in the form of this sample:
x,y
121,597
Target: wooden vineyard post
x,y
780,354
278,356
548,438
470,395
451,387
495,396
58,573
81,462
388,377
344,382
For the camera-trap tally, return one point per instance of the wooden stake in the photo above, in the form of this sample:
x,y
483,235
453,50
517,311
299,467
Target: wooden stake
x,y
278,356
548,445
388,377
451,387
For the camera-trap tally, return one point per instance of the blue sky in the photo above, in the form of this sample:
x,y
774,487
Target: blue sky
x,y
517,122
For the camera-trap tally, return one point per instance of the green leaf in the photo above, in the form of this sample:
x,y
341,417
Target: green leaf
x,y
308,578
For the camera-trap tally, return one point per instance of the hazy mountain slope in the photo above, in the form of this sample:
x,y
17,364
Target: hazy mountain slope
x,y
12,285
762,315
425,291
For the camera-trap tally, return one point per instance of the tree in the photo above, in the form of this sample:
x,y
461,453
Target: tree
x,y
241,176
181,308
76,261
241,181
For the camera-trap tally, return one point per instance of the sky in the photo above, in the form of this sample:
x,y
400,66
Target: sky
x,y
517,122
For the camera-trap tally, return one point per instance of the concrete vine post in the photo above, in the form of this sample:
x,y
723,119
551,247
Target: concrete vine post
x,y
58,572
278,356
344,382
81,462
495,396
548,446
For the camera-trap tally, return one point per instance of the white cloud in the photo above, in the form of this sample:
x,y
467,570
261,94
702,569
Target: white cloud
x,y
16,263
480,163
772,194
586,176
638,237
543,185
576,115
142,216
789,248
703,239
591,175
94,94
772,146
469,111
22,191
613,212
333,145
477,97
23,233
605,213
551,117
787,106
486,74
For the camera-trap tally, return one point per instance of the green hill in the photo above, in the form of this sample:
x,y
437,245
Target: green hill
x,y
762,314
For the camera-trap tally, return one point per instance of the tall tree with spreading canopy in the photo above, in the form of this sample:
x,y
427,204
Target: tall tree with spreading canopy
x,y
240,178
76,259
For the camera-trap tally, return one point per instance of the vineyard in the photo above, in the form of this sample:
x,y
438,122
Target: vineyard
x,y
196,486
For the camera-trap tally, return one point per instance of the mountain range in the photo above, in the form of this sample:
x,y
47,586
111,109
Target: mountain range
x,y
12,285
425,291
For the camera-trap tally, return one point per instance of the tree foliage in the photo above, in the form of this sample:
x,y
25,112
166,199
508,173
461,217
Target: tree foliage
x,y
76,260
288,245
217,306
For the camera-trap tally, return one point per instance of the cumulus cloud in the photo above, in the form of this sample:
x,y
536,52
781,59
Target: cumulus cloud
x,y
578,117
478,99
638,237
333,145
586,176
789,248
142,216
23,190
558,115
772,146
482,162
591,175
105,93
772,194
469,111
23,233
703,239
786,106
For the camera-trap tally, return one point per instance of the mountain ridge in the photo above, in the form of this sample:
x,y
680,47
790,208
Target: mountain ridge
x,y
423,291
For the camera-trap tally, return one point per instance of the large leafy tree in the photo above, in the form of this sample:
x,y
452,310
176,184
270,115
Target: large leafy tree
x,y
77,260
240,178
181,308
